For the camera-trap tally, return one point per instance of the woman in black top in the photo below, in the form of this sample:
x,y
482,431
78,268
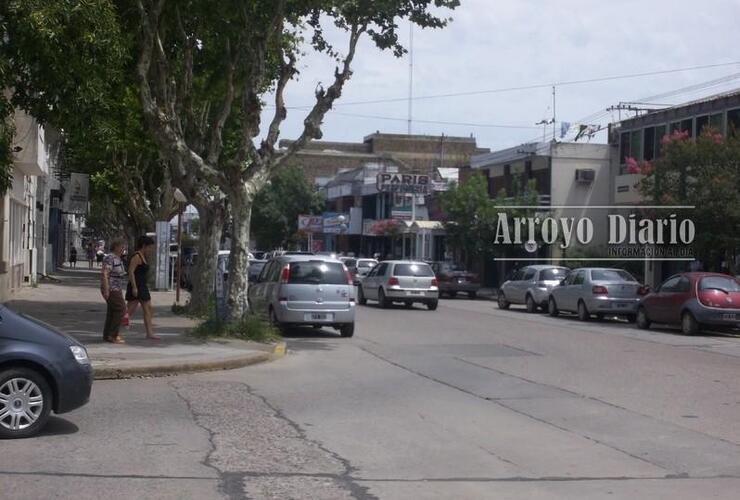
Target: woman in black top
x,y
137,291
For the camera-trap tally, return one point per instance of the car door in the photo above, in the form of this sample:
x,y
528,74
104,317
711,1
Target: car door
x,y
257,290
681,293
527,281
658,304
371,284
573,290
509,285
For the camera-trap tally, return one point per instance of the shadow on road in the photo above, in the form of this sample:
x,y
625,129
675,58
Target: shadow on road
x,y
58,427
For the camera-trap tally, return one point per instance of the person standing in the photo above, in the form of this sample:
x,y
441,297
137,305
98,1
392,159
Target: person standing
x,y
72,256
112,279
137,291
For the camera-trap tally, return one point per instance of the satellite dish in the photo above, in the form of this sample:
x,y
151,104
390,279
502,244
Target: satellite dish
x,y
530,246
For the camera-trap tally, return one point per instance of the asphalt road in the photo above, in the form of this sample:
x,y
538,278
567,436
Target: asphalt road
x,y
463,402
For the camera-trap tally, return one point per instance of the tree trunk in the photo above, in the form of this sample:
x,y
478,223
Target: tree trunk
x,y
241,211
212,216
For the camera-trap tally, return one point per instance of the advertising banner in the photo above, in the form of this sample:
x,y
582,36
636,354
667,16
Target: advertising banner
x,y
310,223
336,222
403,183
76,194
162,281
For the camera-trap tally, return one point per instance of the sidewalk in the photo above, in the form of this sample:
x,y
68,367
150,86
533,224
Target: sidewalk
x,y
74,305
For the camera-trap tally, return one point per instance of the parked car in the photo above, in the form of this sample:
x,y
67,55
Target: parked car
x,y
530,286
295,290
454,279
598,291
362,267
403,281
693,301
254,269
41,370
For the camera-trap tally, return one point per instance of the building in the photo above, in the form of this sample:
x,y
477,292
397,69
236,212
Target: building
x,y
322,160
378,222
572,175
640,137
25,248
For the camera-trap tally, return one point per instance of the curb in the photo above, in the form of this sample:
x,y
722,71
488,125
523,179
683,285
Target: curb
x,y
158,368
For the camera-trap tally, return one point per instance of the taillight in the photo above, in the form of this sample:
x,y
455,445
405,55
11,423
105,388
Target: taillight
x,y
434,282
643,290
350,280
285,274
599,290
392,281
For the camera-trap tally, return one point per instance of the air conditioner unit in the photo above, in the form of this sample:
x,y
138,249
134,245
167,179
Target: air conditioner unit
x,y
585,175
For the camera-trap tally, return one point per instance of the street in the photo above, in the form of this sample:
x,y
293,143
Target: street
x,y
465,402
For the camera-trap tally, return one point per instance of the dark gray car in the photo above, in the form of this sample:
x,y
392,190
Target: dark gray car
x,y
41,370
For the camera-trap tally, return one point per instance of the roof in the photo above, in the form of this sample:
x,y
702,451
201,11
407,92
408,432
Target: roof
x,y
508,155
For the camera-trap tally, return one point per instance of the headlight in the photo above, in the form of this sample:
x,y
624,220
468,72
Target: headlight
x,y
80,354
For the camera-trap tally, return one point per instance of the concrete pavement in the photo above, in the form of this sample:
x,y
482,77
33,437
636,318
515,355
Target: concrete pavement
x,y
72,303
464,402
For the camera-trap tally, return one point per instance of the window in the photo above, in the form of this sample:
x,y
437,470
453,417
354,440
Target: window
x,y
529,274
726,284
635,144
365,263
716,121
660,132
412,270
611,275
648,150
733,122
380,270
669,286
580,278
683,284
674,127
553,274
688,126
701,123
317,272
350,262
528,169
624,146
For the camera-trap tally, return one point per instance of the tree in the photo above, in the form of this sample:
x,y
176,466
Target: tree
x,y
277,207
703,172
205,66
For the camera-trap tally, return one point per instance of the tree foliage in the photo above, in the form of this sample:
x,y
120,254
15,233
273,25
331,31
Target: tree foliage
x,y
277,207
703,172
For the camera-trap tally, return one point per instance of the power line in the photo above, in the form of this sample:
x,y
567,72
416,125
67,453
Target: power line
x,y
533,86
434,122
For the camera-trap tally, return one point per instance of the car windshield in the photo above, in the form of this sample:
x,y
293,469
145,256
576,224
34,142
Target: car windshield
x,y
611,275
350,262
317,272
413,270
365,263
553,274
719,283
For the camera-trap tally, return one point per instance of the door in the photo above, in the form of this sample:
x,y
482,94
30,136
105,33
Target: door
x,y
510,285
525,283
574,290
372,283
676,299
658,304
257,290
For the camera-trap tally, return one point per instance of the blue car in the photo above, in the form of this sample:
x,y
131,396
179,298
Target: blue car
x,y
41,370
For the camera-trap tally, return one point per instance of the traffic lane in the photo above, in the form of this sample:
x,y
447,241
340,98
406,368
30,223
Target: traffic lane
x,y
646,383
133,436
388,424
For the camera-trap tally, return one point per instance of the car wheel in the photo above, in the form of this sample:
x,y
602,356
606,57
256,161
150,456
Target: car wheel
x,y
583,314
347,330
552,307
643,322
452,294
531,306
361,296
502,302
689,326
382,301
25,402
432,306
472,295
275,322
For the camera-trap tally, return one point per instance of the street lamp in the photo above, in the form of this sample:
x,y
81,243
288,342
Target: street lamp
x,y
181,199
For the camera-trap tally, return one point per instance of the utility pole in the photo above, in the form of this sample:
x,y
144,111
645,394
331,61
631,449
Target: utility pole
x,y
553,112
411,75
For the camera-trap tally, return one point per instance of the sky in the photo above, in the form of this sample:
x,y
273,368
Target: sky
x,y
494,44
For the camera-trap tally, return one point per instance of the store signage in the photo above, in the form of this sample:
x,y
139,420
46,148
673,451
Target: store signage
x,y
76,194
310,223
403,183
336,222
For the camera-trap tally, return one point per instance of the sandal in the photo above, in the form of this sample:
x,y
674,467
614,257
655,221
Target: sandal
x,y
116,340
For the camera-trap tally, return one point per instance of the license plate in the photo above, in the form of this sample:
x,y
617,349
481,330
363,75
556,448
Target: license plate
x,y
414,293
622,305
319,316
729,316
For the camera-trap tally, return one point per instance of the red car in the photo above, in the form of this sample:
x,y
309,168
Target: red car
x,y
693,300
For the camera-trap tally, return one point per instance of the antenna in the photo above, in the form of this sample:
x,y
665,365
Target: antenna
x,y
553,112
411,74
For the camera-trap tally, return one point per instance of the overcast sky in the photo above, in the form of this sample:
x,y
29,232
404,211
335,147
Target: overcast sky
x,y
494,44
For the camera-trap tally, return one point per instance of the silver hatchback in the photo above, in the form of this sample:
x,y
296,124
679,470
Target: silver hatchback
x,y
530,286
307,290
402,281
